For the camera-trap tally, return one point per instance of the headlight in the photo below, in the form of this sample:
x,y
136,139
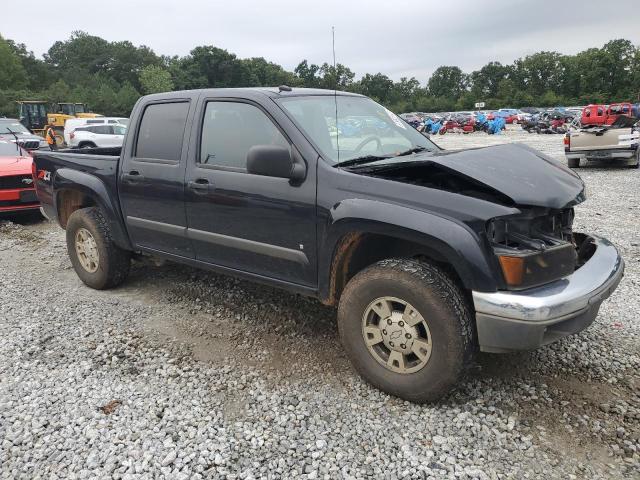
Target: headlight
x,y
533,249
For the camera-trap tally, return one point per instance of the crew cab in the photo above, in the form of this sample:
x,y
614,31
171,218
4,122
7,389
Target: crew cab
x,y
17,192
618,143
429,255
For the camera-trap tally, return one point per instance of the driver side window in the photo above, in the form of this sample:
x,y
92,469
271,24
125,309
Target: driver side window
x,y
230,129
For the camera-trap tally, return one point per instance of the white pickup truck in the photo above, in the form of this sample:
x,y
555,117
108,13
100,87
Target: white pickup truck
x,y
617,143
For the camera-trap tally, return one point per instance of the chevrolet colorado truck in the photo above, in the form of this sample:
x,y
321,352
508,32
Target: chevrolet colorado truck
x,y
617,143
429,255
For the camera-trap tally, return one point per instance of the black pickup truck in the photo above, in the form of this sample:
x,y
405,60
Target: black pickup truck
x,y
429,255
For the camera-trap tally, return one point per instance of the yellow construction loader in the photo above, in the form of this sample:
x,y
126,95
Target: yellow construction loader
x,y
38,116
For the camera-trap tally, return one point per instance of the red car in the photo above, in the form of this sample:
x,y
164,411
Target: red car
x,y
17,190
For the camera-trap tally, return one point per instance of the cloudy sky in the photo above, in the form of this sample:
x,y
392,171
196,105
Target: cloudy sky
x,y
396,37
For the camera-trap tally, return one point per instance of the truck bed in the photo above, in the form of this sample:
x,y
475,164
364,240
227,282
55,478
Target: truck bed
x,y
56,169
603,138
619,141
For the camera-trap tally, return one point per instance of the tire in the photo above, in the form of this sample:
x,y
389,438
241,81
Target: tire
x,y
573,162
111,265
437,299
637,164
87,145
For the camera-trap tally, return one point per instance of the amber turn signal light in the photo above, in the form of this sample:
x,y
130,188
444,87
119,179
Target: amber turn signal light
x,y
512,269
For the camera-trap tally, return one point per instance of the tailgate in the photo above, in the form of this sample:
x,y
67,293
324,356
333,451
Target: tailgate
x,y
612,139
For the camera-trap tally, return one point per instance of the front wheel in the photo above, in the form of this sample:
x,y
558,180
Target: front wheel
x,y
406,328
97,260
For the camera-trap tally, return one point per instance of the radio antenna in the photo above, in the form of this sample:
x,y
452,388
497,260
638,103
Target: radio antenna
x,y
335,87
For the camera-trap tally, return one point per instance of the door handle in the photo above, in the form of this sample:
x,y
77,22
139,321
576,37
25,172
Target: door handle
x,y
199,184
132,176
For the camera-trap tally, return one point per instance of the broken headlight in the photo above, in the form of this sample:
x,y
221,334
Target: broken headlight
x,y
534,248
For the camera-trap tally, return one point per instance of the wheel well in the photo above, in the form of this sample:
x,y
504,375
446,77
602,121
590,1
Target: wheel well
x,y
69,201
357,251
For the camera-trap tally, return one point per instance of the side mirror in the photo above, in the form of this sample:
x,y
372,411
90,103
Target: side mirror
x,y
275,161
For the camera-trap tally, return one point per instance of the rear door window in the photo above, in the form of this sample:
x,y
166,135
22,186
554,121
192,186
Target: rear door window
x,y
161,131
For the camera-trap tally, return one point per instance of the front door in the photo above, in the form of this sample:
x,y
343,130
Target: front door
x,y
252,223
151,180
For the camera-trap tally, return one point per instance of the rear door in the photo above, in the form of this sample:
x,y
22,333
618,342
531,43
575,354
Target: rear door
x,y
151,177
103,135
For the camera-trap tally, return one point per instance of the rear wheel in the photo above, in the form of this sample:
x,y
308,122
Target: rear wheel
x,y
406,328
87,145
97,260
573,162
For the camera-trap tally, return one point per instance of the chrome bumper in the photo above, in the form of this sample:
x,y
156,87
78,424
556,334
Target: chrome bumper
x,y
526,319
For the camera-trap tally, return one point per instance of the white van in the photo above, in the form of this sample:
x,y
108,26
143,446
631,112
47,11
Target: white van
x,y
73,123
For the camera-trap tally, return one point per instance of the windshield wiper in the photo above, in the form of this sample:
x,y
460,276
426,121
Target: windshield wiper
x,y
360,160
412,150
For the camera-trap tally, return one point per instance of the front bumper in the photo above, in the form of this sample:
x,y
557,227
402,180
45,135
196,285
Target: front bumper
x,y
17,200
527,319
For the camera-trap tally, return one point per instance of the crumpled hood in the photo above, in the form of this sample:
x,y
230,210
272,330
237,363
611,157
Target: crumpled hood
x,y
526,176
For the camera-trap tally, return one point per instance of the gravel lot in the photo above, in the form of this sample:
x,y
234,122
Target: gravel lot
x,y
181,373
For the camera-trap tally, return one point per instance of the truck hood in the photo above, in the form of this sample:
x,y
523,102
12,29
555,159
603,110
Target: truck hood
x,y
512,172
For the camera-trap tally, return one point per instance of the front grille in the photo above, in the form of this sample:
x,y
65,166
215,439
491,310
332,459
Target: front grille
x,y
16,181
29,144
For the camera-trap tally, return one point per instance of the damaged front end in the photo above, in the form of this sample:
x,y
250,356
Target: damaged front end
x,y
535,247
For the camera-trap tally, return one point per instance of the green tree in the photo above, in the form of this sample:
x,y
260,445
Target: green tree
x,y
39,74
448,82
126,98
378,87
484,82
12,74
154,79
308,74
58,92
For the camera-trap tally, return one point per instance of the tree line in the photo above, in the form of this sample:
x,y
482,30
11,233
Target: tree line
x,y
110,76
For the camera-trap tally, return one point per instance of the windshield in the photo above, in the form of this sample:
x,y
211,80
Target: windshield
x,y
123,121
363,127
119,129
9,149
8,127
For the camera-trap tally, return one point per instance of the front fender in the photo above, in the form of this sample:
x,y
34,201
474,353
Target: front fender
x,y
94,188
452,240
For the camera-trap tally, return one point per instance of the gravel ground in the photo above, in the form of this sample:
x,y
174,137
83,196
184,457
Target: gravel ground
x,y
181,373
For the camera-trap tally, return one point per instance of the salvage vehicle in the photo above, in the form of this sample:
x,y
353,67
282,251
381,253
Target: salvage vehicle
x,y
17,191
429,255
617,143
605,115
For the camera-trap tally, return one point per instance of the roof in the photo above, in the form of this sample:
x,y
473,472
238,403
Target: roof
x,y
272,92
